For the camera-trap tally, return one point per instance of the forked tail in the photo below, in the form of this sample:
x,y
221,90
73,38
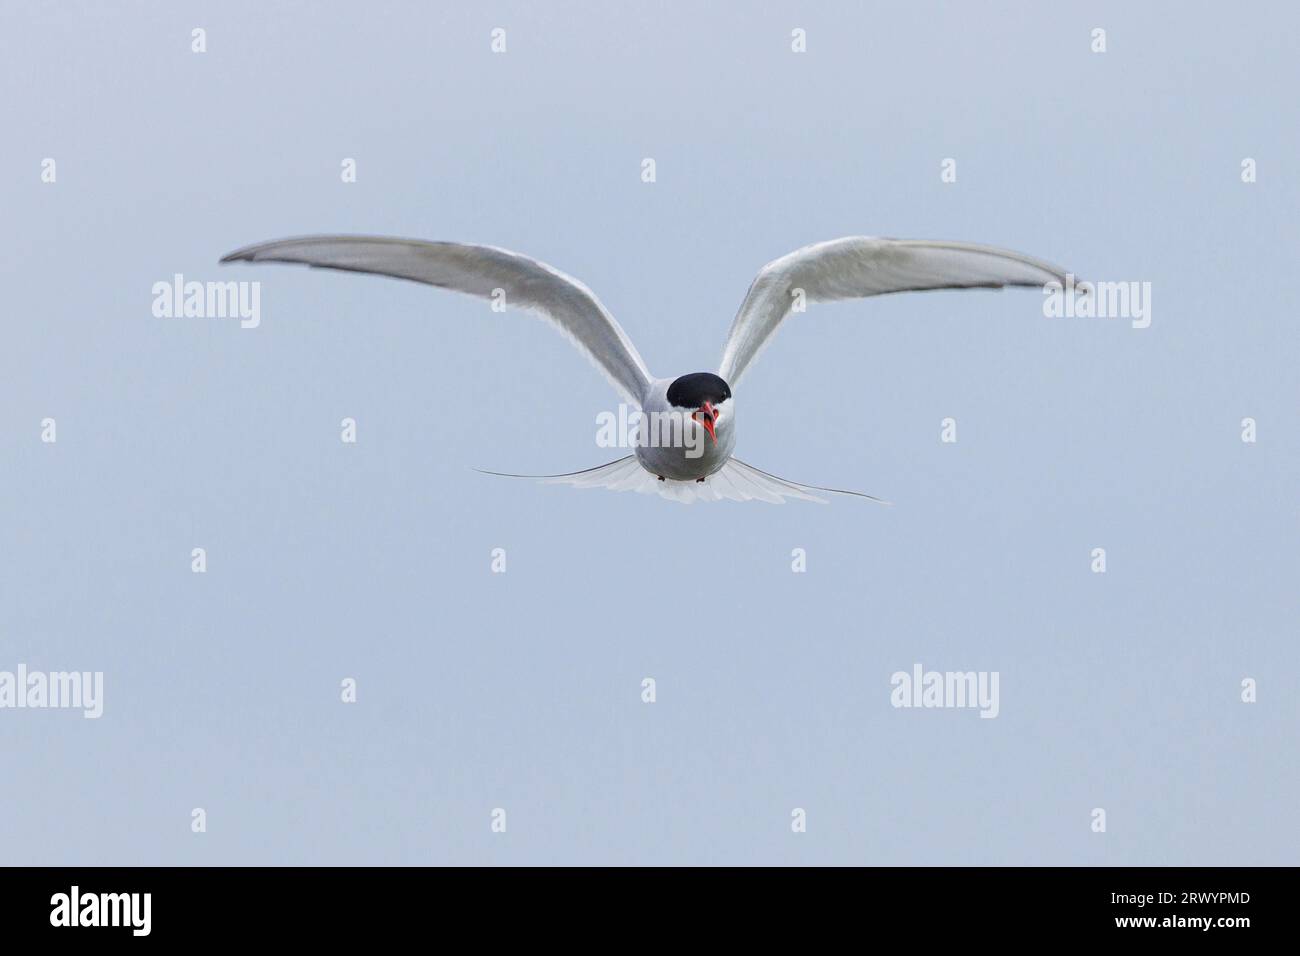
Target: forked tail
x,y
735,481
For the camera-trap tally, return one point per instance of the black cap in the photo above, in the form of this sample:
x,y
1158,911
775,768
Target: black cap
x,y
692,391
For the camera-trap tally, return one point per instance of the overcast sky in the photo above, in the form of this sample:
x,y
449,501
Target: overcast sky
x,y
371,560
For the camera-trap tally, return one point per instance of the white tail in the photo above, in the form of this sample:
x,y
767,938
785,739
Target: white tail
x,y
735,481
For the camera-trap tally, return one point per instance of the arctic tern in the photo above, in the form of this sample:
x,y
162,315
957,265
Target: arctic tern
x,y
704,469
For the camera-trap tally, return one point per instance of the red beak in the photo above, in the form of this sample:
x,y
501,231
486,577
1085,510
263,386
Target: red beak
x,y
705,416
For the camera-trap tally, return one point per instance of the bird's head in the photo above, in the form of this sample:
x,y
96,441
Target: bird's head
x,y
705,397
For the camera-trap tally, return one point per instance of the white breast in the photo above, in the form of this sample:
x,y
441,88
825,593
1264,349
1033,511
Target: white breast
x,y
675,439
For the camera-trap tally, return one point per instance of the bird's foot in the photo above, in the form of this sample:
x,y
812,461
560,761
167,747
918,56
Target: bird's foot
x,y
699,481
662,478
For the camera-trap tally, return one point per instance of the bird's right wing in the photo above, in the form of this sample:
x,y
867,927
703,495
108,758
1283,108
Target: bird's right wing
x,y
484,271
860,266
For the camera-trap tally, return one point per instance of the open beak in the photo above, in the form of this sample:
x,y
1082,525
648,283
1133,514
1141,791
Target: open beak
x,y
706,416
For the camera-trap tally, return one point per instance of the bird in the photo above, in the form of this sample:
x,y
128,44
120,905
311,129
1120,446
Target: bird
x,y
695,411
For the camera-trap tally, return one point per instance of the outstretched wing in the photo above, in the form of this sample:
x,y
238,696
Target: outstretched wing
x,y
483,271
735,481
860,266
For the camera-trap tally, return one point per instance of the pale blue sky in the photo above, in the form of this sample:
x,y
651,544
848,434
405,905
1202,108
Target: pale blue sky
x,y
522,690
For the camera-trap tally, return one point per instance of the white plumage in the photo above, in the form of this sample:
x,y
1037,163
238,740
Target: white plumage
x,y
848,268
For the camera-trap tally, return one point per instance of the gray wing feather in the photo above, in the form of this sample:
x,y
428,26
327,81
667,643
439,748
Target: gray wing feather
x,y
860,266
478,270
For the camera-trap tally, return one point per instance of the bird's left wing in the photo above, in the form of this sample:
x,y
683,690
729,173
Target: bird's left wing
x,y
860,266
484,271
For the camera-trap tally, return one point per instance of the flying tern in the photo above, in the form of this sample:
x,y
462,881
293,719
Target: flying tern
x,y
700,465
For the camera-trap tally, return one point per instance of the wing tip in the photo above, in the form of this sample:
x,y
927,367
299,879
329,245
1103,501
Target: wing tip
x,y
254,252
243,254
